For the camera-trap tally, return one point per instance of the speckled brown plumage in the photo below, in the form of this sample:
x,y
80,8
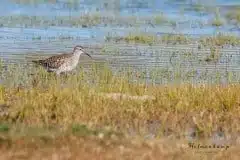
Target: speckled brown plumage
x,y
63,62
54,62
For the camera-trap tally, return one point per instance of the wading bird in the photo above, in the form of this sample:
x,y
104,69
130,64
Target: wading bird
x,y
64,62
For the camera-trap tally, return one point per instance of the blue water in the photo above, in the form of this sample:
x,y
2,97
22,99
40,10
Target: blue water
x,y
188,22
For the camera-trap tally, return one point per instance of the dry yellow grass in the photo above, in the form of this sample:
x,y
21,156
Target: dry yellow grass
x,y
73,101
50,101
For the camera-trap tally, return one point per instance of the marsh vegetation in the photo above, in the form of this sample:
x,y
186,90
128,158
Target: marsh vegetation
x,y
47,108
150,91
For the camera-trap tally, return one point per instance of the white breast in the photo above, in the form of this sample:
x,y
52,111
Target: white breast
x,y
70,64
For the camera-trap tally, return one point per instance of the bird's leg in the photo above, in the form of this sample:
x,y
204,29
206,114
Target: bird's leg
x,y
65,75
58,73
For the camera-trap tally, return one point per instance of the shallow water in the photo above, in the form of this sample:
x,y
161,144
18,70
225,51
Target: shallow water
x,y
20,45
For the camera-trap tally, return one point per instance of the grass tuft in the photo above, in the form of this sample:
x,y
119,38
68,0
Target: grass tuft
x,y
234,15
221,40
152,39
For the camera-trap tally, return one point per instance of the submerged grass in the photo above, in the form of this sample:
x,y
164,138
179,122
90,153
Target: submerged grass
x,y
219,40
234,15
218,20
44,21
34,2
141,38
84,20
151,39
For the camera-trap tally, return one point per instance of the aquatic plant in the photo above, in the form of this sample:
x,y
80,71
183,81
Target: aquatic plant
x,y
160,19
214,55
34,2
84,20
233,15
141,38
220,40
152,39
217,21
198,7
174,39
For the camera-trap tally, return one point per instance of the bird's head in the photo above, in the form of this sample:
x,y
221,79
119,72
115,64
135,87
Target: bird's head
x,y
79,50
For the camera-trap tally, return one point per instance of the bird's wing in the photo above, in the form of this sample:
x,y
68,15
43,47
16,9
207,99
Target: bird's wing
x,y
54,62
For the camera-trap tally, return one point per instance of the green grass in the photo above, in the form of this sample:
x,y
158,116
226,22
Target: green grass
x,y
69,3
53,38
30,21
174,39
94,19
218,20
161,19
234,14
34,2
143,38
152,39
86,20
198,7
214,55
221,40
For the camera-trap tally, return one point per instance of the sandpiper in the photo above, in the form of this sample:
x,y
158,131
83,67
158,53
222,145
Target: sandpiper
x,y
63,62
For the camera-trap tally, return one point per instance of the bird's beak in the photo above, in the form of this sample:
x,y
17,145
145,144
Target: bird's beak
x,y
88,55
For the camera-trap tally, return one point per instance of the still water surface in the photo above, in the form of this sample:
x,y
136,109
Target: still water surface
x,y
19,44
